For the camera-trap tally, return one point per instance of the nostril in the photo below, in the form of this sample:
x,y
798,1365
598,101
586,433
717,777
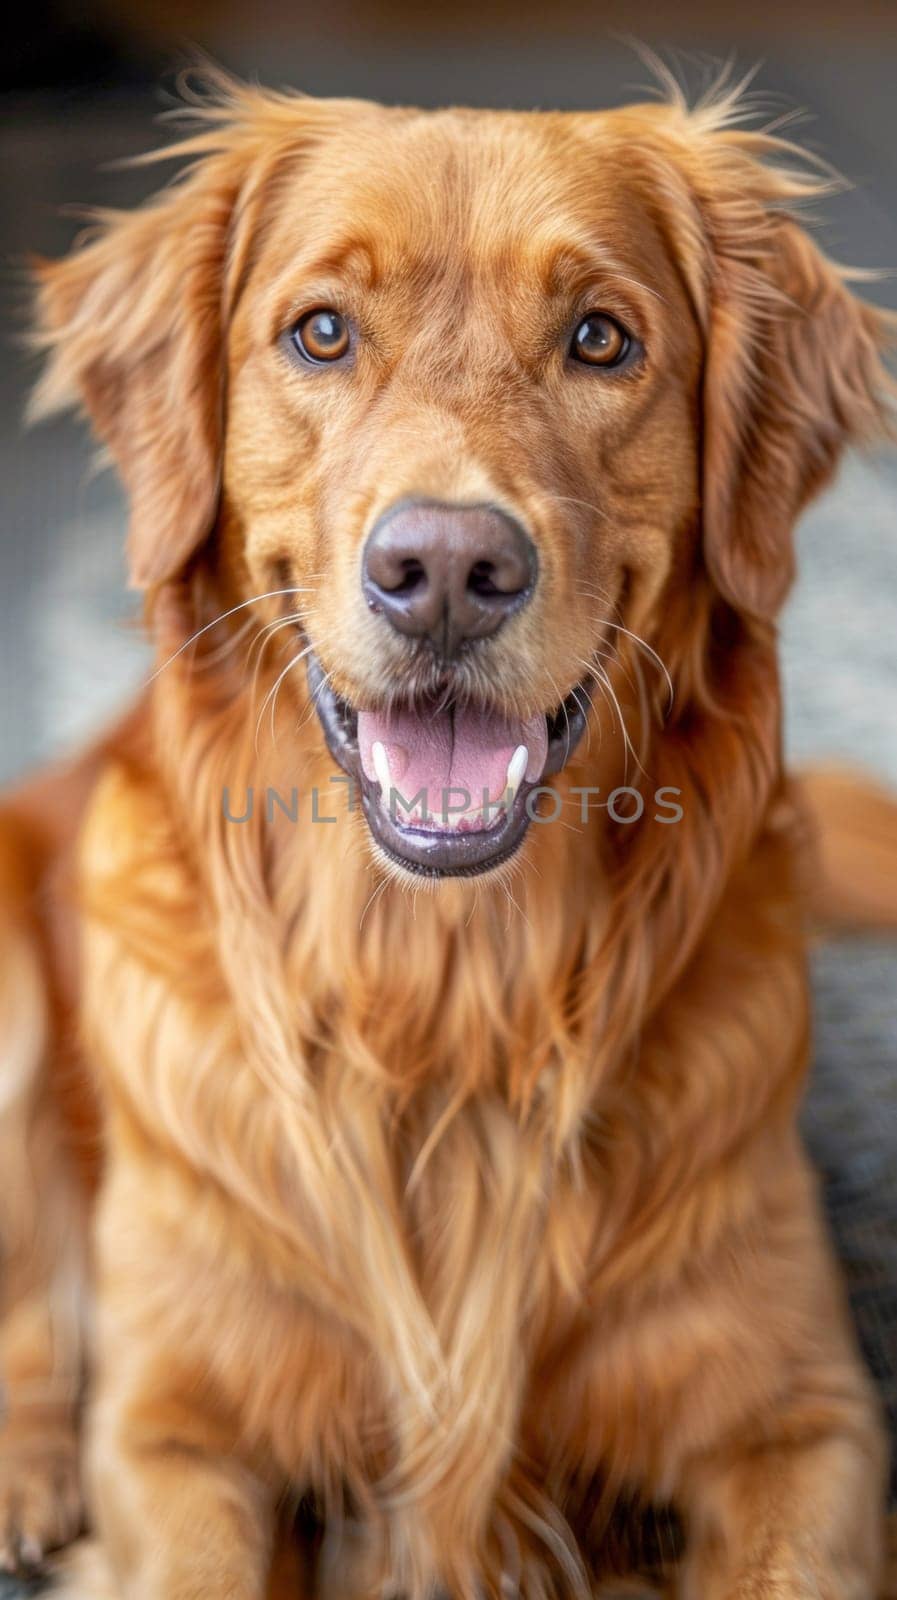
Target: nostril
x,y
392,575
481,580
504,578
410,577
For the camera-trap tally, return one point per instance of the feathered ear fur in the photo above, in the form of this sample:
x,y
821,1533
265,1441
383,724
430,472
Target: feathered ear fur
x,y
793,369
135,321
793,375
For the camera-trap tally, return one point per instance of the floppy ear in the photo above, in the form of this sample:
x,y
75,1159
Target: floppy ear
x,y
133,320
793,374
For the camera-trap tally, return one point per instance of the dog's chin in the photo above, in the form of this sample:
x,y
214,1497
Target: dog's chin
x,y
446,788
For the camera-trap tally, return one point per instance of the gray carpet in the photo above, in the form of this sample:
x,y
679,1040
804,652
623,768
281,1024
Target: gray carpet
x,y
850,1124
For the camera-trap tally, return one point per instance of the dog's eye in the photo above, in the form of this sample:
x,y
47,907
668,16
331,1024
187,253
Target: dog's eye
x,y
600,341
321,336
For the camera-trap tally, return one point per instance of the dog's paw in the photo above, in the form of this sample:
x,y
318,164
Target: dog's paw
x,y
82,1573
40,1497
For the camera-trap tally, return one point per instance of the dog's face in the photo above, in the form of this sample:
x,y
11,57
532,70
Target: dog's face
x,y
482,389
461,396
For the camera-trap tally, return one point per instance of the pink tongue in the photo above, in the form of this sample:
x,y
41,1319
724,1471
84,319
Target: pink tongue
x,y
438,751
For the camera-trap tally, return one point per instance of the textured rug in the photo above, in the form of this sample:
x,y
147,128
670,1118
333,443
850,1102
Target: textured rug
x,y
850,1125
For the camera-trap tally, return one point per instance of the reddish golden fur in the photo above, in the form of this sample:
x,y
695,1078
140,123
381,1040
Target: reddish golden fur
x,y
481,1207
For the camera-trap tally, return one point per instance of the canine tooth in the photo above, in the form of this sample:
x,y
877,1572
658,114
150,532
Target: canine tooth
x,y
381,770
516,769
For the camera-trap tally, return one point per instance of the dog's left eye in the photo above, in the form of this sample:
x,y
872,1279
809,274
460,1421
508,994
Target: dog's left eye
x,y
321,336
600,341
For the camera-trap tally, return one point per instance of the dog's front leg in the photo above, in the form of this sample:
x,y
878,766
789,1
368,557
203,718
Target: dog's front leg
x,y
738,1395
181,1515
794,1521
787,1501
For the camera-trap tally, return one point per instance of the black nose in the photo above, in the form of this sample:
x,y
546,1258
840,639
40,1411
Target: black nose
x,y
447,573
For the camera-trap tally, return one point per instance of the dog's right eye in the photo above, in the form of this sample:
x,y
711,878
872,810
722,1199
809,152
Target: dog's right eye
x,y
600,341
321,336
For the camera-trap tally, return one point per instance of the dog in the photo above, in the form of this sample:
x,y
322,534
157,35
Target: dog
x,y
406,1003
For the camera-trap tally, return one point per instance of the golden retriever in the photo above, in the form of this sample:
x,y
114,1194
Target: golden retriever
x,y
406,1006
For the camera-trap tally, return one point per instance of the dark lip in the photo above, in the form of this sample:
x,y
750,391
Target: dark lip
x,y
427,852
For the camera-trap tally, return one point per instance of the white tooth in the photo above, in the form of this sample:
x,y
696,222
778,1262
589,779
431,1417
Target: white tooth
x,y
516,769
381,770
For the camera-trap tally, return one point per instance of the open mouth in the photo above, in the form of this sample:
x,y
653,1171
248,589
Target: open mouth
x,y
446,786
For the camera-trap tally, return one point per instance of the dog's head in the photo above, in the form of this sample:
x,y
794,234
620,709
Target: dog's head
x,y
479,395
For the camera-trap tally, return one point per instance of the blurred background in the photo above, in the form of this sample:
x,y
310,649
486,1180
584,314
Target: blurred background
x,y
80,84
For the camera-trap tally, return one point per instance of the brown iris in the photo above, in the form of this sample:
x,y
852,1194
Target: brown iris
x,y
321,336
600,341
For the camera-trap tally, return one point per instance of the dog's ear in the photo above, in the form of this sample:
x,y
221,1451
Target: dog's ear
x,y
793,366
135,322
792,375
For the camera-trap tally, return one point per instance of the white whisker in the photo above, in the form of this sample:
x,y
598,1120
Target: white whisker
x,y
561,700
603,680
649,649
254,600
375,895
571,500
574,695
262,639
272,696
313,700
